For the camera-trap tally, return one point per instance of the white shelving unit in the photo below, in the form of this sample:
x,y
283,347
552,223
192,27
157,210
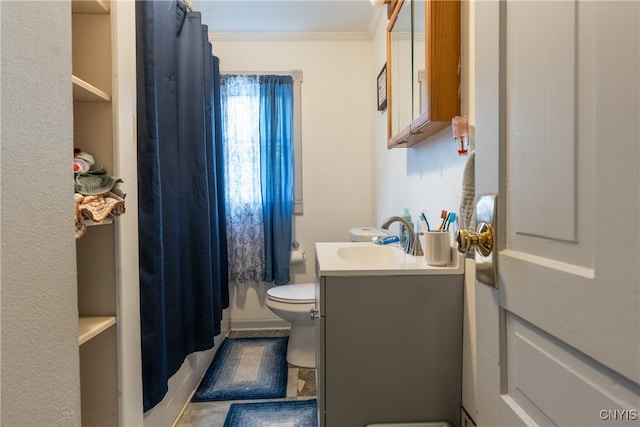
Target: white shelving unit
x,y
90,6
84,92
89,327
104,107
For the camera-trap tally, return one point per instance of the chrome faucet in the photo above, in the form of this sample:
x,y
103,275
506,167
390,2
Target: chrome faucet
x,y
413,246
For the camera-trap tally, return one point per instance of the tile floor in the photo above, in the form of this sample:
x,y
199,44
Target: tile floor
x,y
301,385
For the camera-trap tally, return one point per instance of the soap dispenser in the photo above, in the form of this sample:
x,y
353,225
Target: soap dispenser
x,y
405,233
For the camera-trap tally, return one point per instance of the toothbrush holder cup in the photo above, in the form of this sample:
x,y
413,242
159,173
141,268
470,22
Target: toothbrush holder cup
x,y
437,249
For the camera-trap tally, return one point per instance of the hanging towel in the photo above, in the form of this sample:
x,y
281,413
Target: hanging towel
x,y
468,199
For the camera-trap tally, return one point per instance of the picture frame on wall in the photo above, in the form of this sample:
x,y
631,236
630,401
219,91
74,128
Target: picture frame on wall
x,y
382,88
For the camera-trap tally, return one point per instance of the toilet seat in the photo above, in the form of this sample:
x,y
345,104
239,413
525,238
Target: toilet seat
x,y
303,293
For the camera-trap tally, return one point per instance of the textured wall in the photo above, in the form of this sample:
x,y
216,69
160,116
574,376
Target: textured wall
x,y
39,354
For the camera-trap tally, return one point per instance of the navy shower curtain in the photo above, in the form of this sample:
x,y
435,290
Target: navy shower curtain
x,y
182,235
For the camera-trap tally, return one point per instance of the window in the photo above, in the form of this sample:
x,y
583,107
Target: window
x,y
262,151
240,103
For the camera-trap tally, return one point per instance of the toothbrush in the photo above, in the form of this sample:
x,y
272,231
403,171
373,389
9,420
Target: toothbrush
x,y
385,240
451,218
424,217
443,215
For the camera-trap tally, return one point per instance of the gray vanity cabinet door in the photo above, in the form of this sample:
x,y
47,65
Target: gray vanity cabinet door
x,y
392,349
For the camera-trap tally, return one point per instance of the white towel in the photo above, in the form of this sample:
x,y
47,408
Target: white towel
x,y
468,199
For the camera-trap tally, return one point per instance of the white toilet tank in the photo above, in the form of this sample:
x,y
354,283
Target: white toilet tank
x,y
365,234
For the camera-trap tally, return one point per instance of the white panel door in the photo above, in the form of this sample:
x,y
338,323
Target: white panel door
x,y
557,137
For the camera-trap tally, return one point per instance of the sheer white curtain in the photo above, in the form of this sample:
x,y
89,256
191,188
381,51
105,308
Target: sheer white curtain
x,y
245,228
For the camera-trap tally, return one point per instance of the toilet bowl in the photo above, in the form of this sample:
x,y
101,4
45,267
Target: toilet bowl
x,y
293,303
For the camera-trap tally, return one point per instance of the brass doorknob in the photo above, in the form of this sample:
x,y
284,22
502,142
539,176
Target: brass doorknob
x,y
483,239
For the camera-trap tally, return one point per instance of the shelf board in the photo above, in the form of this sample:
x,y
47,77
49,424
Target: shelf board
x,y
90,327
84,92
91,223
89,6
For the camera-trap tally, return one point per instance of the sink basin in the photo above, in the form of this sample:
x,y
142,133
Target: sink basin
x,y
374,254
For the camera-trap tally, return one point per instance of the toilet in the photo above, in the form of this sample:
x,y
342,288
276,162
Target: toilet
x,y
294,303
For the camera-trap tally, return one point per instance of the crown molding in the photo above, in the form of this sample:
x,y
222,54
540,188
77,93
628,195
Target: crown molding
x,y
310,36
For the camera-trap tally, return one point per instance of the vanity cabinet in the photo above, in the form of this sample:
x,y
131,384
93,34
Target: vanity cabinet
x,y
104,106
389,348
423,69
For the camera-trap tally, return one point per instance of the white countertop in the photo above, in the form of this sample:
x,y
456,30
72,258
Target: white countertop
x,y
329,263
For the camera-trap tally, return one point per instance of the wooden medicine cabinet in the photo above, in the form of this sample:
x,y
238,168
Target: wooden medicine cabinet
x,y
423,69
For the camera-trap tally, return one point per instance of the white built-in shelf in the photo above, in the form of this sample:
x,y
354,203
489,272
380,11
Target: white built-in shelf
x,y
91,223
89,6
84,92
90,327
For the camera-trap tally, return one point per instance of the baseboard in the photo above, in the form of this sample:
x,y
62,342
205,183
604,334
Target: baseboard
x,y
250,324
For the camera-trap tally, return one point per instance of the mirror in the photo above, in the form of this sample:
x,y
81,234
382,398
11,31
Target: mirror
x,y
418,57
399,69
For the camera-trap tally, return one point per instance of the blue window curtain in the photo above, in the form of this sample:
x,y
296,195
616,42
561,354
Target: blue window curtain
x,y
182,237
257,117
276,167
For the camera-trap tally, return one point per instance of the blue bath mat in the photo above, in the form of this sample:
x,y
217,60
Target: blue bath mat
x,y
246,368
298,413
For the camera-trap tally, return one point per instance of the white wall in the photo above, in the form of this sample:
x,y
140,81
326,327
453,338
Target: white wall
x,y
338,95
39,315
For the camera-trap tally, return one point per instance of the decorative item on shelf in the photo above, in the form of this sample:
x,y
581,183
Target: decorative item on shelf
x,y
460,130
382,88
98,200
82,161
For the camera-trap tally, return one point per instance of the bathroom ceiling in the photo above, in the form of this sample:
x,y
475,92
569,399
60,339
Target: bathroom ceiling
x,y
287,16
